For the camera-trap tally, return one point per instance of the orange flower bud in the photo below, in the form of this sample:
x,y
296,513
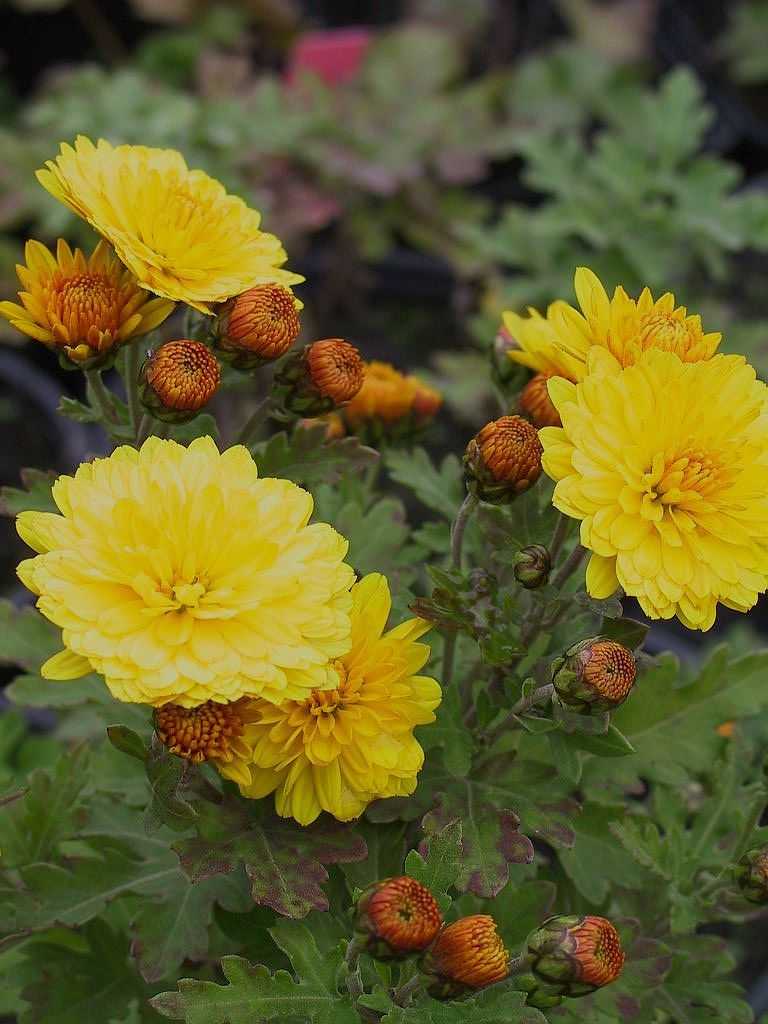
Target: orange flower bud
x,y
570,956
468,954
597,673
336,369
536,404
258,326
399,916
178,379
209,732
726,729
504,459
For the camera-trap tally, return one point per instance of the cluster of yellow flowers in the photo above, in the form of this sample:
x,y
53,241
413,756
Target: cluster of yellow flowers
x,y
185,580
661,449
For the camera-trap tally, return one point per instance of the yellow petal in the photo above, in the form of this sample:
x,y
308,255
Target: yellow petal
x,y
65,665
601,577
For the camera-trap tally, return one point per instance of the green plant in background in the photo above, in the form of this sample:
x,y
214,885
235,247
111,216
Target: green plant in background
x,y
741,47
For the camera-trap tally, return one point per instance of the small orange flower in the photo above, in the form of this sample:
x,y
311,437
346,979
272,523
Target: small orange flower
x,y
83,307
426,402
259,325
386,395
726,729
504,459
180,377
209,732
336,369
597,673
399,915
468,953
536,404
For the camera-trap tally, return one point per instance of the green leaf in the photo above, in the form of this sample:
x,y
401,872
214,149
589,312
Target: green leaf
x,y
307,458
33,691
203,425
283,862
386,847
78,411
252,993
95,982
167,776
127,742
26,638
597,861
628,632
440,489
499,1004
437,862
35,496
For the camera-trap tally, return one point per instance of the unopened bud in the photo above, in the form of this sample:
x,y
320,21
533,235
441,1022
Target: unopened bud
x,y
536,404
596,674
178,379
397,916
468,954
258,326
752,875
532,566
570,956
503,460
323,376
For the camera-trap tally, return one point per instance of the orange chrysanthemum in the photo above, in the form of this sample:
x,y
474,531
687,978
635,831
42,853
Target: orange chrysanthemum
x,y
262,323
209,732
84,307
469,952
401,913
536,404
336,369
184,375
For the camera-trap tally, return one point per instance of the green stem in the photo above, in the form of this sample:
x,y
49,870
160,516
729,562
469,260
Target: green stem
x,y
468,506
538,696
132,365
144,429
741,845
563,522
101,397
569,566
402,995
250,430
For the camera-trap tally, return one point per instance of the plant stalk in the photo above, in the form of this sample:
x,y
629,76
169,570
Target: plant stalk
x,y
132,366
101,396
402,995
468,506
248,434
144,430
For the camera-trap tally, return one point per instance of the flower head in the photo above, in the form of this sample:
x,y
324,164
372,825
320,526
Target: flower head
x,y
337,750
536,404
571,956
390,398
258,326
399,916
180,378
468,954
324,375
181,577
177,230
627,327
83,307
666,464
752,875
504,459
595,674
532,341
210,732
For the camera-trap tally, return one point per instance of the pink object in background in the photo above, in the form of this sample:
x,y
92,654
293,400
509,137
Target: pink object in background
x,y
334,55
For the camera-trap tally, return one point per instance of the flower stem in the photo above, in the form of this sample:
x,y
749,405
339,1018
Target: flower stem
x,y
538,696
144,430
569,566
558,537
402,995
100,397
250,430
132,383
468,506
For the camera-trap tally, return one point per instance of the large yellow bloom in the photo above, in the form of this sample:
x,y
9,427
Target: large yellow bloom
x,y
338,750
559,344
83,306
666,465
178,230
181,577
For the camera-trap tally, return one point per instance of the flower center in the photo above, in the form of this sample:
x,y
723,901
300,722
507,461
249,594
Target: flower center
x,y
691,475
326,702
83,302
188,594
663,331
200,733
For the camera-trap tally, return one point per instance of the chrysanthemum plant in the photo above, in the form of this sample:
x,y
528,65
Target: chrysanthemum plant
x,y
340,735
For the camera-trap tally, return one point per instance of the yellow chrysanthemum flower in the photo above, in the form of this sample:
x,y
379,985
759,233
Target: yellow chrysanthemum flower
x,y
82,306
626,327
537,344
338,750
559,344
666,465
181,577
178,230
